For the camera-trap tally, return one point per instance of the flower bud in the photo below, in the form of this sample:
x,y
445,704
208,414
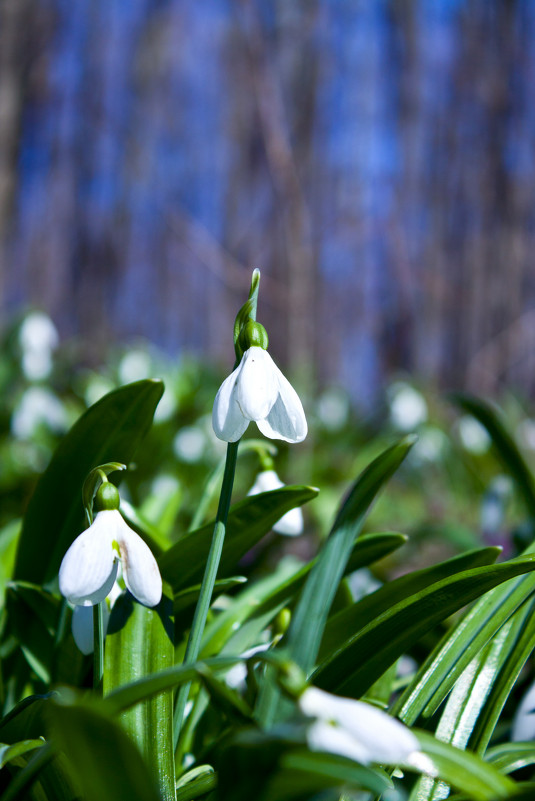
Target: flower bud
x,y
253,335
107,497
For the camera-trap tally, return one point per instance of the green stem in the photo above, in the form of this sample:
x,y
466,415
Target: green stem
x,y
205,598
98,646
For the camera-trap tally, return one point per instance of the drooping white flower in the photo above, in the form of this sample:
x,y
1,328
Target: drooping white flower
x,y
290,523
257,391
359,731
89,568
38,338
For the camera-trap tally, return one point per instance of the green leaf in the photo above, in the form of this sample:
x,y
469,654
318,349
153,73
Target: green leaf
x,y
312,609
110,430
445,664
102,759
265,598
140,643
463,770
9,752
302,772
508,757
130,694
504,444
506,669
248,521
26,721
366,655
308,621
351,620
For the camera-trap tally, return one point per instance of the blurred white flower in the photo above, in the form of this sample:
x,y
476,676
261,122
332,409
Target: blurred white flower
x,y
38,338
166,407
408,407
257,391
524,720
431,445
89,568
359,731
38,406
291,523
135,365
333,408
473,435
189,444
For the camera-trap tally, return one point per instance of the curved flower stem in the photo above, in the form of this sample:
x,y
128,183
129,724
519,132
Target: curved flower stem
x,y
98,646
203,604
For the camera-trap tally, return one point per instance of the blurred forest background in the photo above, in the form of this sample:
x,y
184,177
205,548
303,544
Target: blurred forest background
x,y
375,158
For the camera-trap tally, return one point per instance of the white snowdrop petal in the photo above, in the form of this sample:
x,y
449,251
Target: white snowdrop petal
x,y
140,570
291,524
256,384
228,422
322,736
286,420
88,569
389,740
82,626
385,739
266,481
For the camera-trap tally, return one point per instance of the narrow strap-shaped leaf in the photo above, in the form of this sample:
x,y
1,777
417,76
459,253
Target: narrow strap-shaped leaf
x,y
365,656
140,643
280,588
349,621
445,664
508,757
513,660
463,770
110,430
9,752
312,609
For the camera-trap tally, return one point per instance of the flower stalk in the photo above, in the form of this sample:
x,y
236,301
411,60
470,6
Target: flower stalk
x,y
207,587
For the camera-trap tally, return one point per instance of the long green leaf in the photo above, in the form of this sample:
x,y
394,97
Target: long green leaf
x,y
248,521
140,643
110,430
463,770
366,655
263,600
508,757
9,752
351,620
312,609
445,664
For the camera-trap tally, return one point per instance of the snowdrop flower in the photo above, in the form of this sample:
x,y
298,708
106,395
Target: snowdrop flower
x,y
291,523
474,437
359,731
89,568
38,338
237,675
38,406
408,407
257,391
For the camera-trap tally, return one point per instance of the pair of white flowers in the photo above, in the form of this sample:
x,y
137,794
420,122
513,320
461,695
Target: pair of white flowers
x,y
255,390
